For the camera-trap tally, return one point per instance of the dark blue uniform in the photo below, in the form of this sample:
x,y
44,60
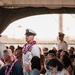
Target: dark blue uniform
x,y
16,70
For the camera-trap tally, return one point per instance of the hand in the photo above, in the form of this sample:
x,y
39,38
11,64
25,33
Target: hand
x,y
27,68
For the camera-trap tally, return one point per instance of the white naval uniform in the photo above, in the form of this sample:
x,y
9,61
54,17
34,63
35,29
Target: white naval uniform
x,y
62,45
26,58
35,51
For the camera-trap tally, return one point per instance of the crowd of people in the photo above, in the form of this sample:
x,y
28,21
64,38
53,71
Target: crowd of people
x,y
32,60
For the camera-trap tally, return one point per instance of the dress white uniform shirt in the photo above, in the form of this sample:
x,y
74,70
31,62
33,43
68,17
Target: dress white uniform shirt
x,y
62,45
35,51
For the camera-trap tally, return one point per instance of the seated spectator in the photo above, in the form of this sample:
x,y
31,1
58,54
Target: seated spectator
x,y
71,51
50,55
18,54
45,50
73,63
62,54
72,57
12,66
58,53
12,48
55,67
68,64
54,49
43,70
35,65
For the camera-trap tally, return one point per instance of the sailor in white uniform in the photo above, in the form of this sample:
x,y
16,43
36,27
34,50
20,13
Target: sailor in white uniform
x,y
30,49
62,44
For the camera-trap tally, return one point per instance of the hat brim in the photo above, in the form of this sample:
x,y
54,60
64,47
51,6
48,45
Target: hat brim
x,y
30,34
61,35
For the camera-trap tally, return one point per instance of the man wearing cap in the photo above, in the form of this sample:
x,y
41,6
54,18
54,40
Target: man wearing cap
x,y
62,44
29,50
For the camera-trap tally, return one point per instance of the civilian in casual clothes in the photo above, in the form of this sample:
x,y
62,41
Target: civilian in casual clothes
x,y
12,66
35,65
55,67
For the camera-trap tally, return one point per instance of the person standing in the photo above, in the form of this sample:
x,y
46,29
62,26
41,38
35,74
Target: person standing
x,y
29,50
62,44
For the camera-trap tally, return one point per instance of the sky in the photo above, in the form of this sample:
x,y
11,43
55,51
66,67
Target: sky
x,y
46,26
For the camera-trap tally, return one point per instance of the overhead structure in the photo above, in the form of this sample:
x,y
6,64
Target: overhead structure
x,y
11,10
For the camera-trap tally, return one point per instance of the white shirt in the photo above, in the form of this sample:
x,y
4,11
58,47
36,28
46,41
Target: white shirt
x,y
35,51
65,72
62,45
26,58
59,73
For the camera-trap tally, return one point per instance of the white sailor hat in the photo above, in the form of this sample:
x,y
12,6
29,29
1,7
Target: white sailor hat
x,y
61,34
30,32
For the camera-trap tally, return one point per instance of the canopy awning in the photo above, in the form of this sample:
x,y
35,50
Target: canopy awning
x,y
38,3
11,10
